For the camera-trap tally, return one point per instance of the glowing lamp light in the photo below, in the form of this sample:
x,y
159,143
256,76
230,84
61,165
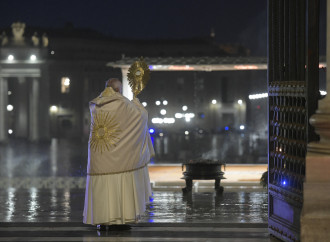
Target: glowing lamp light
x,y
52,52
10,107
33,57
323,93
157,120
242,127
10,57
178,115
10,131
53,109
161,134
151,131
226,128
258,96
187,119
186,132
165,102
67,82
169,120
184,108
240,102
284,183
157,103
144,104
163,112
9,93
214,101
189,115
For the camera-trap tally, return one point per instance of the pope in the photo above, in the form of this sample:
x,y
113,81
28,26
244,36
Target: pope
x,y
119,150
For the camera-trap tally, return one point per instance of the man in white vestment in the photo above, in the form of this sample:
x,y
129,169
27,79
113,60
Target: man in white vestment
x,y
118,184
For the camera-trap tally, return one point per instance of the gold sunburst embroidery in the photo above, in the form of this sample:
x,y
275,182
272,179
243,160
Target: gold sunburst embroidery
x,y
105,131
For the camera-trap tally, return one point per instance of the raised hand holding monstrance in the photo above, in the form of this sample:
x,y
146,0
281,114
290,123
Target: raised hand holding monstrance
x,y
138,76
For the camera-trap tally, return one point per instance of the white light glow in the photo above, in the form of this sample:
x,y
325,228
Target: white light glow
x,y
240,102
33,57
144,104
53,109
67,82
161,134
184,108
163,120
163,112
169,120
214,101
258,96
189,115
52,52
10,131
157,120
323,93
178,115
157,103
165,102
186,132
242,127
10,57
187,119
10,107
9,93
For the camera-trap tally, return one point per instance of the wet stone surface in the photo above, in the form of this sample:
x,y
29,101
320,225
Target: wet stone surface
x,y
66,205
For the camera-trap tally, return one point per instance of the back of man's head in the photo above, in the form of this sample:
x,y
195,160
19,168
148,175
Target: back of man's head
x,y
115,84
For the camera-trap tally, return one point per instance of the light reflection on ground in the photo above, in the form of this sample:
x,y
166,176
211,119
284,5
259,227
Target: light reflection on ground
x,y
63,205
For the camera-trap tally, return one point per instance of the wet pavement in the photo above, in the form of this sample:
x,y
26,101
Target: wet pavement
x,y
66,205
42,191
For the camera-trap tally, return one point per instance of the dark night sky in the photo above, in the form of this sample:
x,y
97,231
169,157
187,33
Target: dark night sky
x,y
237,21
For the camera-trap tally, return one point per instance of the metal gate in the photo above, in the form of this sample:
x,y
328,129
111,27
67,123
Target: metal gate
x,y
293,65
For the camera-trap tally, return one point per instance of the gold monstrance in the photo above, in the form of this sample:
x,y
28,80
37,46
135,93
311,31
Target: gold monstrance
x,y
138,76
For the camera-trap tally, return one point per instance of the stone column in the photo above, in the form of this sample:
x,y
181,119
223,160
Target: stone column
x,y
33,109
21,106
3,109
127,91
315,217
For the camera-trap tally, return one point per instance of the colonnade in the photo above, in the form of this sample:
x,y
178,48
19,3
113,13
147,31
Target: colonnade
x,y
26,108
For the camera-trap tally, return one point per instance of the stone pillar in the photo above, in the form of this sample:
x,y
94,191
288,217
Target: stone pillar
x,y
33,110
315,217
3,109
21,106
127,91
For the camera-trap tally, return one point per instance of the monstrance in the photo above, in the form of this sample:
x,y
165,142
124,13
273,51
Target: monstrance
x,y
138,76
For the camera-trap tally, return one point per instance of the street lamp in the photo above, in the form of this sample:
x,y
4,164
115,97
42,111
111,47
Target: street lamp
x,y
53,109
10,107
33,57
10,57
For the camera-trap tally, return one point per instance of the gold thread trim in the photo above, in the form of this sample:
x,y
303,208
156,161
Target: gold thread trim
x,y
113,173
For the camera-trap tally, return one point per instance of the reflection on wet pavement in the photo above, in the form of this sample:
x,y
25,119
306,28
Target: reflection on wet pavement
x,y
63,205
42,197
